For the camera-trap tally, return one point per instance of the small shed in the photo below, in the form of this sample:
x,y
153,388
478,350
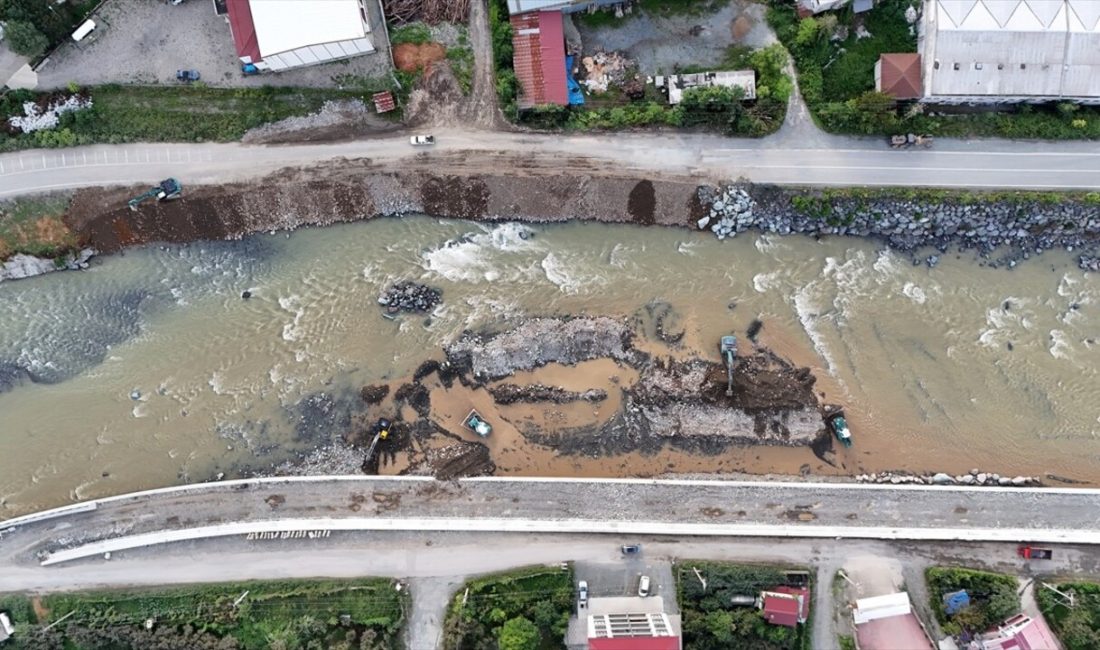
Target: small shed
x,y
383,102
878,607
6,628
899,75
787,606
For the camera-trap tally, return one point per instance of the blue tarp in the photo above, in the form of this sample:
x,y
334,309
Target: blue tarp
x,y
955,602
576,98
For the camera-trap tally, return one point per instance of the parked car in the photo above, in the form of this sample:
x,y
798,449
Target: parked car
x,y
422,140
187,76
631,549
582,593
643,586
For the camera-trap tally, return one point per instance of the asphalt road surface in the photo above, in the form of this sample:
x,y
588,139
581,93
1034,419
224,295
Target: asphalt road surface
x,y
984,164
679,508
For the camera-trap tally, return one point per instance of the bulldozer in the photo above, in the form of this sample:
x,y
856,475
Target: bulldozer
x,y
166,190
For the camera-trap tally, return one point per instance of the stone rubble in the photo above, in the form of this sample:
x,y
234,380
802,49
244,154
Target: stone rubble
x,y
27,266
410,297
975,478
1002,232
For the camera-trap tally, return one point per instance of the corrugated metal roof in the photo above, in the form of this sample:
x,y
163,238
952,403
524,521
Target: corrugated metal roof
x,y
1013,48
538,58
244,32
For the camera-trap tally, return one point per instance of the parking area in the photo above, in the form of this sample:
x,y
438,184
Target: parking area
x,y
620,578
146,41
660,43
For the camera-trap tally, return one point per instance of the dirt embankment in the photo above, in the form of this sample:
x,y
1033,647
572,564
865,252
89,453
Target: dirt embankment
x,y
467,185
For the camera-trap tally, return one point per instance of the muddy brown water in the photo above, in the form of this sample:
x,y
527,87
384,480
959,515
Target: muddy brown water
x,y
152,370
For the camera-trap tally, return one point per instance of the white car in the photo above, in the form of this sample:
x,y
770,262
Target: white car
x,y
643,586
582,593
422,140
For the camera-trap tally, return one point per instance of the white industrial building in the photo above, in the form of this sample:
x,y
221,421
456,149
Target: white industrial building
x,y
1010,51
281,34
678,83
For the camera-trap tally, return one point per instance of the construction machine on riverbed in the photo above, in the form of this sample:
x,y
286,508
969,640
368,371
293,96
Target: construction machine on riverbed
x,y
166,190
728,347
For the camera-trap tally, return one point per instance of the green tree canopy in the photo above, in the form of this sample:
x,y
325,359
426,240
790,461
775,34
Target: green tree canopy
x,y
519,634
25,39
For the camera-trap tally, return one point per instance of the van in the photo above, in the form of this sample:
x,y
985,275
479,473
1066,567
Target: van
x,y
582,593
643,586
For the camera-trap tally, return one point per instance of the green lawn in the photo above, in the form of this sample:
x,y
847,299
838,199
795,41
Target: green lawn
x,y
536,599
364,613
176,113
33,225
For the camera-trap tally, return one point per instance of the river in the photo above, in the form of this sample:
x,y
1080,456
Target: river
x,y
153,370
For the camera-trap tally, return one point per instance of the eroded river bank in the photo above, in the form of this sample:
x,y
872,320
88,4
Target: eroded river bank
x,y
150,368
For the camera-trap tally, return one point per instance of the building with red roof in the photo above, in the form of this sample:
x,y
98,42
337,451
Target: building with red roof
x,y
1021,632
787,606
538,43
634,631
899,75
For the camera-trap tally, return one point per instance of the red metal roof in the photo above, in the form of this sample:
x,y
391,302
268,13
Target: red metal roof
x,y
901,75
781,611
383,101
804,615
244,32
538,44
636,643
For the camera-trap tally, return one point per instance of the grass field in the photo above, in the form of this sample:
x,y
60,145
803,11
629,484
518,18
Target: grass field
x,y
364,613
33,226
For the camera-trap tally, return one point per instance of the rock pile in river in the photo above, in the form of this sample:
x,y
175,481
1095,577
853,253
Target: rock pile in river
x,y
974,478
408,296
1015,228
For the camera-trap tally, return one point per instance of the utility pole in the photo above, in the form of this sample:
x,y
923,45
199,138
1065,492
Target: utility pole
x,y
702,580
240,598
58,620
1069,597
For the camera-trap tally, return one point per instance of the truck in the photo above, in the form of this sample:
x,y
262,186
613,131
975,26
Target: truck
x,y
1035,553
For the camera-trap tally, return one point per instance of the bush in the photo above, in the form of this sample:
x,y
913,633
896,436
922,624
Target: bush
x,y
505,607
993,598
519,634
25,39
1078,627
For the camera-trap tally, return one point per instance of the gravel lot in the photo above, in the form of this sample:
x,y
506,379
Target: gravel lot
x,y
146,41
659,44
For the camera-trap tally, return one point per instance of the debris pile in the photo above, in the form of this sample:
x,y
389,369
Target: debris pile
x,y
400,12
604,69
411,297
975,478
730,213
46,114
513,393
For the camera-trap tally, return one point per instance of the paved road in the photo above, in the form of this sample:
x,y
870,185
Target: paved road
x,y
713,508
959,164
436,563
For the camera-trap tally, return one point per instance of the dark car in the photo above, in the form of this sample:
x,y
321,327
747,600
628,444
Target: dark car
x,y
631,549
187,75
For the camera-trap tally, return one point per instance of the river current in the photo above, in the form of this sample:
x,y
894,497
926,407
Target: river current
x,y
151,369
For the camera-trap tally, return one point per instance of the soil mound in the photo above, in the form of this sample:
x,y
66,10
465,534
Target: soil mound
x,y
410,57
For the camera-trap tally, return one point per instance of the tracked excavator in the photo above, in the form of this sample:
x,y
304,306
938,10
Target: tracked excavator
x,y
166,190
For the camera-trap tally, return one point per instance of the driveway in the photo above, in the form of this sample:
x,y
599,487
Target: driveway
x,y
146,41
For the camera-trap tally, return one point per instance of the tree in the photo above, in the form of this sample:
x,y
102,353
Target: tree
x,y
25,39
808,31
519,634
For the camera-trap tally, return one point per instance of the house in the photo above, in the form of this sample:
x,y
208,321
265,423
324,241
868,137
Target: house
x,y
887,622
678,83
1020,632
899,75
787,606
1010,51
280,34
632,631
538,43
